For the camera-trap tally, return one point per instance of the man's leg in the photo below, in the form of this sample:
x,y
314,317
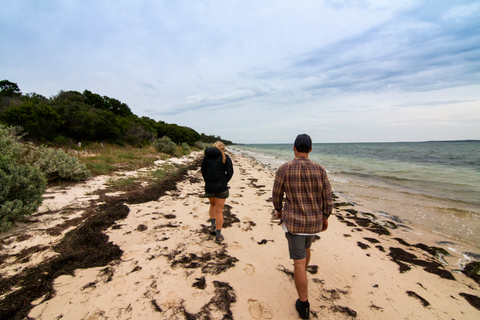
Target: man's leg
x,y
308,257
300,276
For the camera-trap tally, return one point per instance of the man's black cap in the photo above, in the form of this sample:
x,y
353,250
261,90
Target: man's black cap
x,y
303,142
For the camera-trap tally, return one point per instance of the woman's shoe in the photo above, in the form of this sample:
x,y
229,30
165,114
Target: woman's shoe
x,y
219,239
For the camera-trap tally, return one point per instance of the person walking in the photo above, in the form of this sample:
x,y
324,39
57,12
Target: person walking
x,y
217,170
308,204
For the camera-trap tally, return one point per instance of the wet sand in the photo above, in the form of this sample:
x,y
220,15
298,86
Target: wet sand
x,y
148,253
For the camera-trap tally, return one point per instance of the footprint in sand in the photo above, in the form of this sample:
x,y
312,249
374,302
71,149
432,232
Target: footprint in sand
x,y
249,269
235,245
258,310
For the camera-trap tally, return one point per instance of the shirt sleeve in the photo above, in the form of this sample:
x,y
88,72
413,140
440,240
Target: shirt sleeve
x,y
327,196
278,189
229,168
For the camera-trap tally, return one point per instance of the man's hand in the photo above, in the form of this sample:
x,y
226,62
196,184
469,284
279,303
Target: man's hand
x,y
325,224
279,214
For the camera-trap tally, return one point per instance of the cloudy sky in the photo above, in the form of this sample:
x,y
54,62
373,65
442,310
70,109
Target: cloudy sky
x,y
260,71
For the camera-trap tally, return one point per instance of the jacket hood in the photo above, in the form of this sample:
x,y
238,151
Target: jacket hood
x,y
212,152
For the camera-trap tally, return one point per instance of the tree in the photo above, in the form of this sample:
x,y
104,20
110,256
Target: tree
x,y
9,89
36,117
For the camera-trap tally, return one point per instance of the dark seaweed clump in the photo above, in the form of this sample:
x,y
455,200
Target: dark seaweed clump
x,y
209,262
473,300
424,302
400,256
366,223
345,310
222,301
472,270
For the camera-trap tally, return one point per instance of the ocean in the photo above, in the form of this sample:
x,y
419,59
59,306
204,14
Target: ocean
x,y
434,186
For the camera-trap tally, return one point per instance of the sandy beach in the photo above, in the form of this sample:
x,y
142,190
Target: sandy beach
x,y
148,253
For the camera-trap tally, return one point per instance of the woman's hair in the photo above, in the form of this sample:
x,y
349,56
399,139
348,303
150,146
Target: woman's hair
x,y
221,147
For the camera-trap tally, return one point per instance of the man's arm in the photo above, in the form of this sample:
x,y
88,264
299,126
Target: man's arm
x,y
327,196
278,191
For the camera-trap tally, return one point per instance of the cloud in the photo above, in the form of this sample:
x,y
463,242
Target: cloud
x,y
412,51
431,103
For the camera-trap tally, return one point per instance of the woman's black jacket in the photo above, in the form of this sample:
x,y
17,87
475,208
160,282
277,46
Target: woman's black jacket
x,y
216,173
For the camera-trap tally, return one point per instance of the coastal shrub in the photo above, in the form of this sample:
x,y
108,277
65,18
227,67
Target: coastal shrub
x,y
200,145
21,184
185,148
57,164
165,145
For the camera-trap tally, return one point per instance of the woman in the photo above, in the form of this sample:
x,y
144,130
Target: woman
x,y
217,170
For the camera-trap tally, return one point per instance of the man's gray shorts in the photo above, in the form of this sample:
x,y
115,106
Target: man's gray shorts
x,y
298,245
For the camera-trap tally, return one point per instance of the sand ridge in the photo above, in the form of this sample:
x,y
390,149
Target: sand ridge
x,y
157,259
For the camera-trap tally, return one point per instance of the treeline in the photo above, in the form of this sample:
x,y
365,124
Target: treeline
x,y
71,117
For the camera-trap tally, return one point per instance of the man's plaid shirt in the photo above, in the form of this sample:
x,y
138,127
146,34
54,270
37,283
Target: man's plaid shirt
x,y
308,195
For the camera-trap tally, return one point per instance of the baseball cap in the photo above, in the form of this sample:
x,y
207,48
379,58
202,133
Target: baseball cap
x,y
303,140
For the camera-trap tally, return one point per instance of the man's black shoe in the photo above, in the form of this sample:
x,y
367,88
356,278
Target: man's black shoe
x,y
303,309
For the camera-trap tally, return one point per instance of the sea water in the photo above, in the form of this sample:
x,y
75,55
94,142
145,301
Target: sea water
x,y
433,185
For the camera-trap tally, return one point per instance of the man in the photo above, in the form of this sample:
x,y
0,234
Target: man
x,y
308,204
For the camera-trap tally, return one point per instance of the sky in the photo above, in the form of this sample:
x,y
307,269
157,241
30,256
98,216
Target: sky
x,y
264,71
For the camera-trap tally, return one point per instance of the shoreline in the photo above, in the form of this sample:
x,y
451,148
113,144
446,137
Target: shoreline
x,y
392,210
166,265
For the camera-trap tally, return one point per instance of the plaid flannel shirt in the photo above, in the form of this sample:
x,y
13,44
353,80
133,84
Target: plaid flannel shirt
x,y
308,195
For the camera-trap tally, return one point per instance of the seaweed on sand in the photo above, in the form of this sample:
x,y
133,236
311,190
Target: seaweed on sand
x,y
221,302
473,300
209,262
83,247
345,310
400,256
472,270
424,302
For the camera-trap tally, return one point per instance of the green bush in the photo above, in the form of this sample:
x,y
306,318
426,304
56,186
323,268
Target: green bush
x,y
21,184
57,164
185,148
165,145
24,170
200,145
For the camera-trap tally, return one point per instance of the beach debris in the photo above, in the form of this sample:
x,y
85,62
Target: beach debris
x,y
313,269
220,304
472,270
473,300
345,310
228,217
424,302
141,227
200,283
156,306
285,270
374,307
137,268
214,262
264,241
363,245
400,256
106,274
